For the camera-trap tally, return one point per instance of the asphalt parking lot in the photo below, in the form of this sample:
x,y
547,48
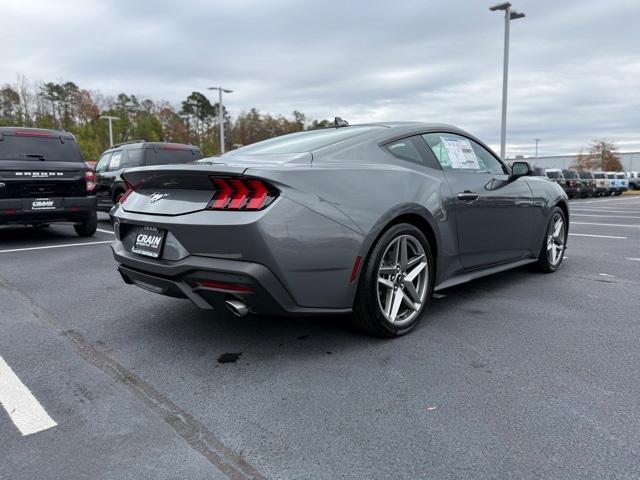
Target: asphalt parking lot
x,y
518,375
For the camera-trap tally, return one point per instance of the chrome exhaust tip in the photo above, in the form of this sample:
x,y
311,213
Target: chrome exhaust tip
x,y
237,307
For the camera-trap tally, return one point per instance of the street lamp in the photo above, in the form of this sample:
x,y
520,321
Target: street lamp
x,y
509,15
110,119
537,141
221,114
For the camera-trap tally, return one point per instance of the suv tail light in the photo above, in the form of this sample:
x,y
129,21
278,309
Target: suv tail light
x,y
241,194
90,180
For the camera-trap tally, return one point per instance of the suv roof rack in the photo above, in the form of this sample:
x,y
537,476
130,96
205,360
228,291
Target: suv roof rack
x,y
128,143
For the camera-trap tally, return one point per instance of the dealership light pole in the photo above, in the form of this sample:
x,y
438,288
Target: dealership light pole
x,y
537,141
509,15
221,114
110,119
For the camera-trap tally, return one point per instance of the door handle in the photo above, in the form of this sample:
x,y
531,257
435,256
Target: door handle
x,y
468,196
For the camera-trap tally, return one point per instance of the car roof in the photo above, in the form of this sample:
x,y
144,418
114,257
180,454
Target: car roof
x,y
51,132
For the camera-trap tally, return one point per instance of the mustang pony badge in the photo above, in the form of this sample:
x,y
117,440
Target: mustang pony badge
x,y
155,196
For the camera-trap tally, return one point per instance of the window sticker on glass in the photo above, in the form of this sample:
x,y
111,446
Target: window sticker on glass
x,y
460,153
115,161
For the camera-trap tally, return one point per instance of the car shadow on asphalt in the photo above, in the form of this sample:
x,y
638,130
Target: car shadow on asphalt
x,y
185,330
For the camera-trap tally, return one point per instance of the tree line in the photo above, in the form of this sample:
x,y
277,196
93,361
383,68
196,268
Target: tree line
x,y
68,107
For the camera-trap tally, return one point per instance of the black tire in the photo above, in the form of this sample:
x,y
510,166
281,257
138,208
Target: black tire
x,y
88,227
544,263
367,312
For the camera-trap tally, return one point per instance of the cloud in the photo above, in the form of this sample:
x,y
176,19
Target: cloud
x,y
574,66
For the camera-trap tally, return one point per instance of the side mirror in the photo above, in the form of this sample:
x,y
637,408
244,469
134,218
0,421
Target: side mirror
x,y
520,169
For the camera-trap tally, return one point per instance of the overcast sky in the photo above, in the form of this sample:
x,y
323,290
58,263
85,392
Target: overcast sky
x,y
574,66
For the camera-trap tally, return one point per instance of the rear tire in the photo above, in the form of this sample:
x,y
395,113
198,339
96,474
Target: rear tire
x,y
88,227
555,241
396,283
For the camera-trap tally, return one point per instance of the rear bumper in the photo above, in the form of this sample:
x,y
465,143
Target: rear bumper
x,y
67,209
264,293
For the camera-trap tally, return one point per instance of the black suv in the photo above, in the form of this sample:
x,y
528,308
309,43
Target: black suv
x,y
44,179
110,186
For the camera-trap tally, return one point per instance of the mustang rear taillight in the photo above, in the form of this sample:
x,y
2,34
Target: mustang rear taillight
x,y
90,180
241,194
124,196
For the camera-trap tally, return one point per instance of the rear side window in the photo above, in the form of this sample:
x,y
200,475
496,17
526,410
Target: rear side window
x,y
460,154
116,160
301,142
404,149
36,148
168,156
133,158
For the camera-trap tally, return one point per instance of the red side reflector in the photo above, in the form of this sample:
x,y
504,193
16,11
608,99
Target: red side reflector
x,y
356,267
231,287
29,133
10,211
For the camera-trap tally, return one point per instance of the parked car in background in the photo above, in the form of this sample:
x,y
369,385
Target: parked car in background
x,y
634,180
556,175
44,179
602,184
623,182
109,184
588,184
573,183
612,183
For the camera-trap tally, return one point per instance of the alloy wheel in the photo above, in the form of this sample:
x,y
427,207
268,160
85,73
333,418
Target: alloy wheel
x,y
403,276
556,240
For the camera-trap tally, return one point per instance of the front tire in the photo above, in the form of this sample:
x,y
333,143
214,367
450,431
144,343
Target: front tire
x,y
88,227
396,283
555,241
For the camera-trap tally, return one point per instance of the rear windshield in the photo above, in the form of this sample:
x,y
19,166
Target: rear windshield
x,y
586,175
620,175
301,142
569,174
610,175
554,174
49,149
168,156
599,175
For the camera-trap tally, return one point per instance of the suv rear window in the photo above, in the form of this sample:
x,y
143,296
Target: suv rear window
x,y
51,149
168,156
553,174
599,175
569,174
301,142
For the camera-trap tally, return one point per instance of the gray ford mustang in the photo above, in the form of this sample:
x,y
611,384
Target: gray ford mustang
x,y
363,219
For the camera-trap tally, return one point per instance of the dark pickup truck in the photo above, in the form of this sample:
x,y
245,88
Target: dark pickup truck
x,y
44,179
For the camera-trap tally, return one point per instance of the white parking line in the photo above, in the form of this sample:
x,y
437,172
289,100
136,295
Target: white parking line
x,y
621,200
113,233
606,215
604,210
633,259
54,246
606,224
23,408
596,236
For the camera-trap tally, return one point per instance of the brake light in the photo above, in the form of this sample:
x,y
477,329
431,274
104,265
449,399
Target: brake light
x,y
124,196
29,133
90,180
241,194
